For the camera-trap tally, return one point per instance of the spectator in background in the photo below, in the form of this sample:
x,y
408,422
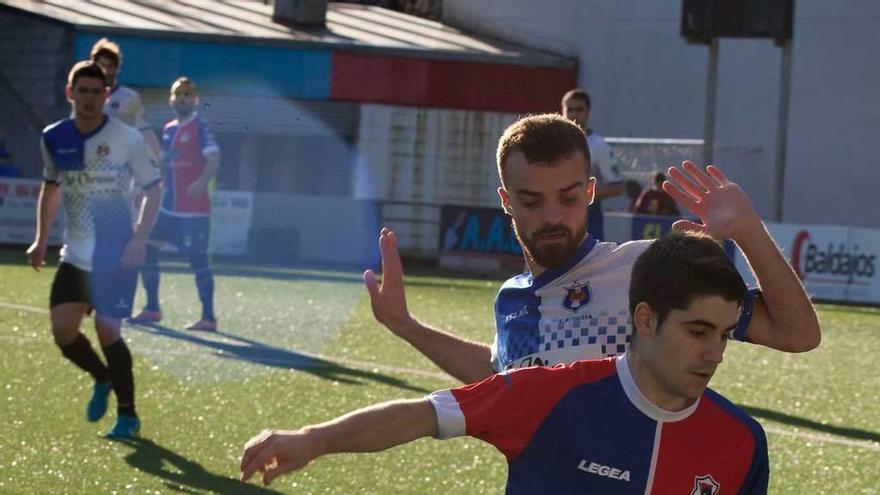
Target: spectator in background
x,y
655,201
633,191
7,168
123,103
576,106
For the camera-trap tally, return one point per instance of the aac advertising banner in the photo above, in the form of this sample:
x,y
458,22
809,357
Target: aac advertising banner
x,y
478,239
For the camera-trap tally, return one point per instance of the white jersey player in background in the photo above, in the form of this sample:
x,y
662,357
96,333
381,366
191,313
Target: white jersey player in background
x,y
572,304
123,103
576,106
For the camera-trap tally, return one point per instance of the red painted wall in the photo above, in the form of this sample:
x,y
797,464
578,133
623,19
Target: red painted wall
x,y
448,84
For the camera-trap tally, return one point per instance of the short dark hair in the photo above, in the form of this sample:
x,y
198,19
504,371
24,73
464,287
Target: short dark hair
x,y
580,94
106,48
542,138
678,267
86,68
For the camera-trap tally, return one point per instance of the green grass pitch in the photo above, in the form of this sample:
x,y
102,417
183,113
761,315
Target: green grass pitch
x,y
300,346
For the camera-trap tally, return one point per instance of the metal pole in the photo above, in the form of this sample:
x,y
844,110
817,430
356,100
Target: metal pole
x,y
782,130
711,90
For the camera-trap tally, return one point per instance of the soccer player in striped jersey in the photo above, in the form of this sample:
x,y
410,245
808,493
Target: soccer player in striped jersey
x,y
641,423
90,161
191,157
123,103
571,304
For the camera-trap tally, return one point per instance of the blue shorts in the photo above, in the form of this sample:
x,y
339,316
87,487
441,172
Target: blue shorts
x,y
109,293
187,234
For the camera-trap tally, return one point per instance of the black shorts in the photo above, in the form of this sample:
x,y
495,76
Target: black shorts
x,y
187,234
111,293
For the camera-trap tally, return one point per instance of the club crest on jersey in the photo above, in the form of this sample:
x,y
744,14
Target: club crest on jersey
x,y
184,138
705,485
577,296
103,150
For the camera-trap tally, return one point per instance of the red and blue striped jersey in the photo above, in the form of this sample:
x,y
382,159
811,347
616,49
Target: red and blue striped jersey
x,y
585,427
185,146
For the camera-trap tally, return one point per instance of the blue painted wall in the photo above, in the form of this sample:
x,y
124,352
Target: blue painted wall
x,y
232,69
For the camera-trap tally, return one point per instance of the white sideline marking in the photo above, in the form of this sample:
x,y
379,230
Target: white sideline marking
x,y
368,366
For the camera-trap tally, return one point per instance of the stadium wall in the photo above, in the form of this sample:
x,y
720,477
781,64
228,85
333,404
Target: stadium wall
x,y
646,81
34,60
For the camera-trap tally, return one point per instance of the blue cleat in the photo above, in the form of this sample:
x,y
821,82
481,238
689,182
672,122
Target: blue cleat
x,y
98,403
126,427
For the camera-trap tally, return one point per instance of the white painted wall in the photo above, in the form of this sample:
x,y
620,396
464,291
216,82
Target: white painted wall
x,y
647,82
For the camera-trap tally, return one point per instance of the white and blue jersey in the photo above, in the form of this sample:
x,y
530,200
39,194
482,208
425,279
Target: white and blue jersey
x,y
579,311
95,172
124,104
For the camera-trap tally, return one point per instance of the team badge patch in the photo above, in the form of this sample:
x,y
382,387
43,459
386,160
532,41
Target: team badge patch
x,y
184,138
103,150
705,485
577,296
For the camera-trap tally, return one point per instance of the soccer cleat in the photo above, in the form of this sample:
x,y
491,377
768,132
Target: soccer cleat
x,y
98,403
147,316
126,427
203,325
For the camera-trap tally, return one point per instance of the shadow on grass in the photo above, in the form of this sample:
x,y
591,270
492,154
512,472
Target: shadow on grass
x,y
256,352
788,419
181,474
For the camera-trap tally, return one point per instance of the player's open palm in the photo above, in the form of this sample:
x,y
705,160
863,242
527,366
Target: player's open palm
x,y
722,206
274,453
388,299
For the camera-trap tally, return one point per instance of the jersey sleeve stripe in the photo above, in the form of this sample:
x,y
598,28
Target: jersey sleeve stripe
x,y
450,419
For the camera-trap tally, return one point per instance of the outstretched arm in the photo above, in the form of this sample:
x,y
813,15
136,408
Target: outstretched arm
x,y
371,429
465,360
783,318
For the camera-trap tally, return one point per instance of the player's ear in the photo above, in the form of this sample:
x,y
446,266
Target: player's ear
x,y
644,320
591,190
505,200
68,92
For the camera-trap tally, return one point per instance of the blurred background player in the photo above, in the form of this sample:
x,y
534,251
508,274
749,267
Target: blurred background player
x,y
123,103
576,106
643,422
90,161
191,158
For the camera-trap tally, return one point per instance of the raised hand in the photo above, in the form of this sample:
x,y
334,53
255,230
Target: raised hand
x,y
388,300
725,210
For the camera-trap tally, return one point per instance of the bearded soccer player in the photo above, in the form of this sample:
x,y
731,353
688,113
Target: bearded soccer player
x,y
641,423
90,161
123,103
192,158
571,304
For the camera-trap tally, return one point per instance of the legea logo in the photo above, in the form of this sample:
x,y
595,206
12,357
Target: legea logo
x,y
838,262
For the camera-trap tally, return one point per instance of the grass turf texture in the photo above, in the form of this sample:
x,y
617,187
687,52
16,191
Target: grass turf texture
x,y
300,346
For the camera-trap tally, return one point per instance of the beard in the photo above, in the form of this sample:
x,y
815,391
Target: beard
x,y
552,255
183,110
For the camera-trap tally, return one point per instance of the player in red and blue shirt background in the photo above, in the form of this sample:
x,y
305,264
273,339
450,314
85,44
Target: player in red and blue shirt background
x,y
191,158
640,423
